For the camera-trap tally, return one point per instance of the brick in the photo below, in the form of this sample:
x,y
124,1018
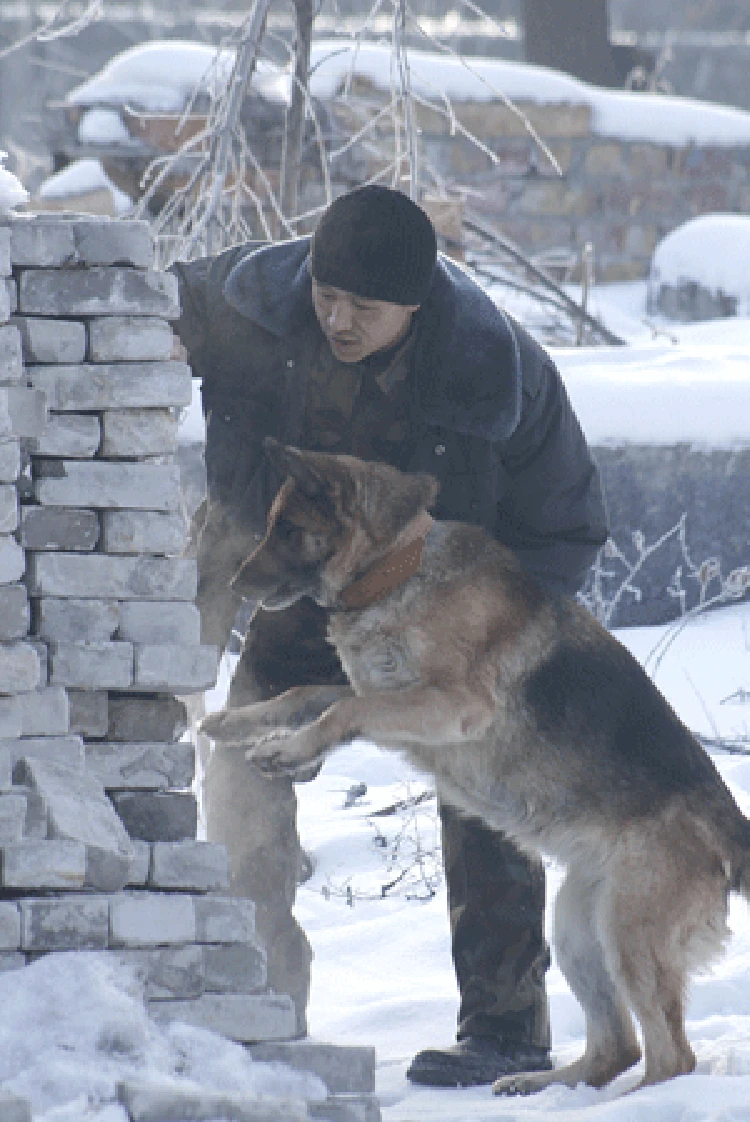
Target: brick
x,y
125,385
345,1069
12,816
139,432
243,1017
12,562
96,483
150,919
51,340
129,339
179,669
36,241
194,866
146,719
144,531
14,611
102,241
19,667
42,653
68,620
74,435
89,712
44,864
140,864
11,359
23,411
10,460
157,816
10,927
10,727
8,299
13,1108
96,665
101,577
44,712
51,528
78,924
78,810
169,1103
98,292
158,623
8,508
605,159
234,969
224,919
56,749
35,827
141,766
168,972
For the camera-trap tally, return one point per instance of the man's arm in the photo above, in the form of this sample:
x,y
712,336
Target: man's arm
x,y
552,511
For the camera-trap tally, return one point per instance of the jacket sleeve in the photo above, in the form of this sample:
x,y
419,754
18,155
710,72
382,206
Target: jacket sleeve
x,y
192,326
551,510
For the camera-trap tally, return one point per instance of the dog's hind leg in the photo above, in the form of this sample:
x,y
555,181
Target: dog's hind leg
x,y
667,918
611,1042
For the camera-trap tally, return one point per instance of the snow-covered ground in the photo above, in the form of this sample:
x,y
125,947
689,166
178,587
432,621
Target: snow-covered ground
x,y
382,973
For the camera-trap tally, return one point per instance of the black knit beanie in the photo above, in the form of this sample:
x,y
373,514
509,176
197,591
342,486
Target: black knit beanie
x,y
376,243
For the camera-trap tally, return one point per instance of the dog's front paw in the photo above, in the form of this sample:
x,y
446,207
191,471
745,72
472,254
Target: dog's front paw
x,y
283,755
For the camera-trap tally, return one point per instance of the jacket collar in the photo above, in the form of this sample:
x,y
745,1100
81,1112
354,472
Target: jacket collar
x,y
466,357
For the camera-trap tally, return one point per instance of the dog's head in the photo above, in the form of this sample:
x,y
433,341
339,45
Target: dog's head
x,y
332,518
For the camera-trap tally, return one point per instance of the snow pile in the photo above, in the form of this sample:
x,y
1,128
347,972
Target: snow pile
x,y
74,1025
162,75
104,126
382,972
711,252
693,391
83,177
658,118
12,191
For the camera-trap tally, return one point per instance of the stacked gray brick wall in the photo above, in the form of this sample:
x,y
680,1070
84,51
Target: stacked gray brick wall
x,y
99,642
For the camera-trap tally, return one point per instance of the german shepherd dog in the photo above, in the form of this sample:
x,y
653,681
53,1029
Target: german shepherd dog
x,y
530,716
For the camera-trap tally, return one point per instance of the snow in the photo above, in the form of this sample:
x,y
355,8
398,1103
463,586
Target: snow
x,y
382,973
12,191
161,75
712,251
74,1025
658,118
103,126
80,178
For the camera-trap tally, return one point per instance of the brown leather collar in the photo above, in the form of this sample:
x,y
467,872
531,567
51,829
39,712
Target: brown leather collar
x,y
390,571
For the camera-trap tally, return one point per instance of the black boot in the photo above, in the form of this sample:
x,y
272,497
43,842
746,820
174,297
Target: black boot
x,y
476,1060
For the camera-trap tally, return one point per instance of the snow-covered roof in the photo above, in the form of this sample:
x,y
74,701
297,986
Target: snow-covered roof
x,y
618,113
160,76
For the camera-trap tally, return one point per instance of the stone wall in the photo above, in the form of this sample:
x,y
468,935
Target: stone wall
x,y
621,195
100,638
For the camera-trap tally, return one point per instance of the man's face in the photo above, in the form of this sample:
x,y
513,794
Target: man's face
x,y
356,327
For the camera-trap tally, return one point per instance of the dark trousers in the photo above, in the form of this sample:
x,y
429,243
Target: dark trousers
x,y
495,892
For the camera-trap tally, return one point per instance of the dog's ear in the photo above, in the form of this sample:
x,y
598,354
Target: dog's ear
x,y
395,498
291,461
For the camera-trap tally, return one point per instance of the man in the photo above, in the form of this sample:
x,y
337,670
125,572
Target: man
x,y
361,341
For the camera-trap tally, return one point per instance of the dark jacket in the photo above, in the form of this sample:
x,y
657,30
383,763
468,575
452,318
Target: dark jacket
x,y
490,417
